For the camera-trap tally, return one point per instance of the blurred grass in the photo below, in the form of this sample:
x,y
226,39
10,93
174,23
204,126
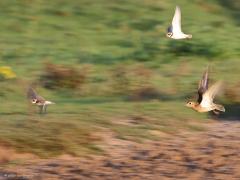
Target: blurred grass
x,y
67,129
102,35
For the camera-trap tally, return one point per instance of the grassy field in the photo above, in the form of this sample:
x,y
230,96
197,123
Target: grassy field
x,y
133,72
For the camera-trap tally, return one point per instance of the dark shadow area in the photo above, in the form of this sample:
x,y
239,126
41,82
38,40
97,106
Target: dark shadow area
x,y
146,94
234,7
105,59
232,113
189,48
147,50
144,24
13,113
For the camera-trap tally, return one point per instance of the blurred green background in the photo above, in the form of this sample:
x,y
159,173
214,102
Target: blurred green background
x,y
109,67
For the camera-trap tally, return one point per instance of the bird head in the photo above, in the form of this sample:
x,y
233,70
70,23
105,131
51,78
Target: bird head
x,y
169,34
191,104
34,101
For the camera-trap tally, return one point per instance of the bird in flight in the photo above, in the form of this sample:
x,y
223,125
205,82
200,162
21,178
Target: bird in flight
x,y
175,31
206,96
38,100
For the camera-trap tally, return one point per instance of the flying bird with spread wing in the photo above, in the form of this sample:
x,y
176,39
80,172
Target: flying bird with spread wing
x,y
38,100
175,30
206,96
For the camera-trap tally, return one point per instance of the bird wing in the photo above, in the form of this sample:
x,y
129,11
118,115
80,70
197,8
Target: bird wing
x,y
208,96
40,98
170,29
31,94
203,85
176,22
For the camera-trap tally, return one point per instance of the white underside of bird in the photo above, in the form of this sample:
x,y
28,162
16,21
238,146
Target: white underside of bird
x,y
180,35
175,30
44,103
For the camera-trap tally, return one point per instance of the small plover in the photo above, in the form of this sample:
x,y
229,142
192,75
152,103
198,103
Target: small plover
x,y
175,31
206,96
38,100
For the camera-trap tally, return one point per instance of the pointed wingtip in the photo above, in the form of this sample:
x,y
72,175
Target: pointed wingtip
x,y
217,88
30,92
205,73
177,7
178,11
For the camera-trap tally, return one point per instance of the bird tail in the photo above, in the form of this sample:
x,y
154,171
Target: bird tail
x,y
49,102
219,107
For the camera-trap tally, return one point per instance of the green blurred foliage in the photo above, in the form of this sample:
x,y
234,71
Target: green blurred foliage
x,y
119,41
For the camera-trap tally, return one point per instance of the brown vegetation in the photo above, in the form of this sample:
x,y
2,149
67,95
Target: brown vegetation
x,y
212,154
232,93
135,82
59,76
